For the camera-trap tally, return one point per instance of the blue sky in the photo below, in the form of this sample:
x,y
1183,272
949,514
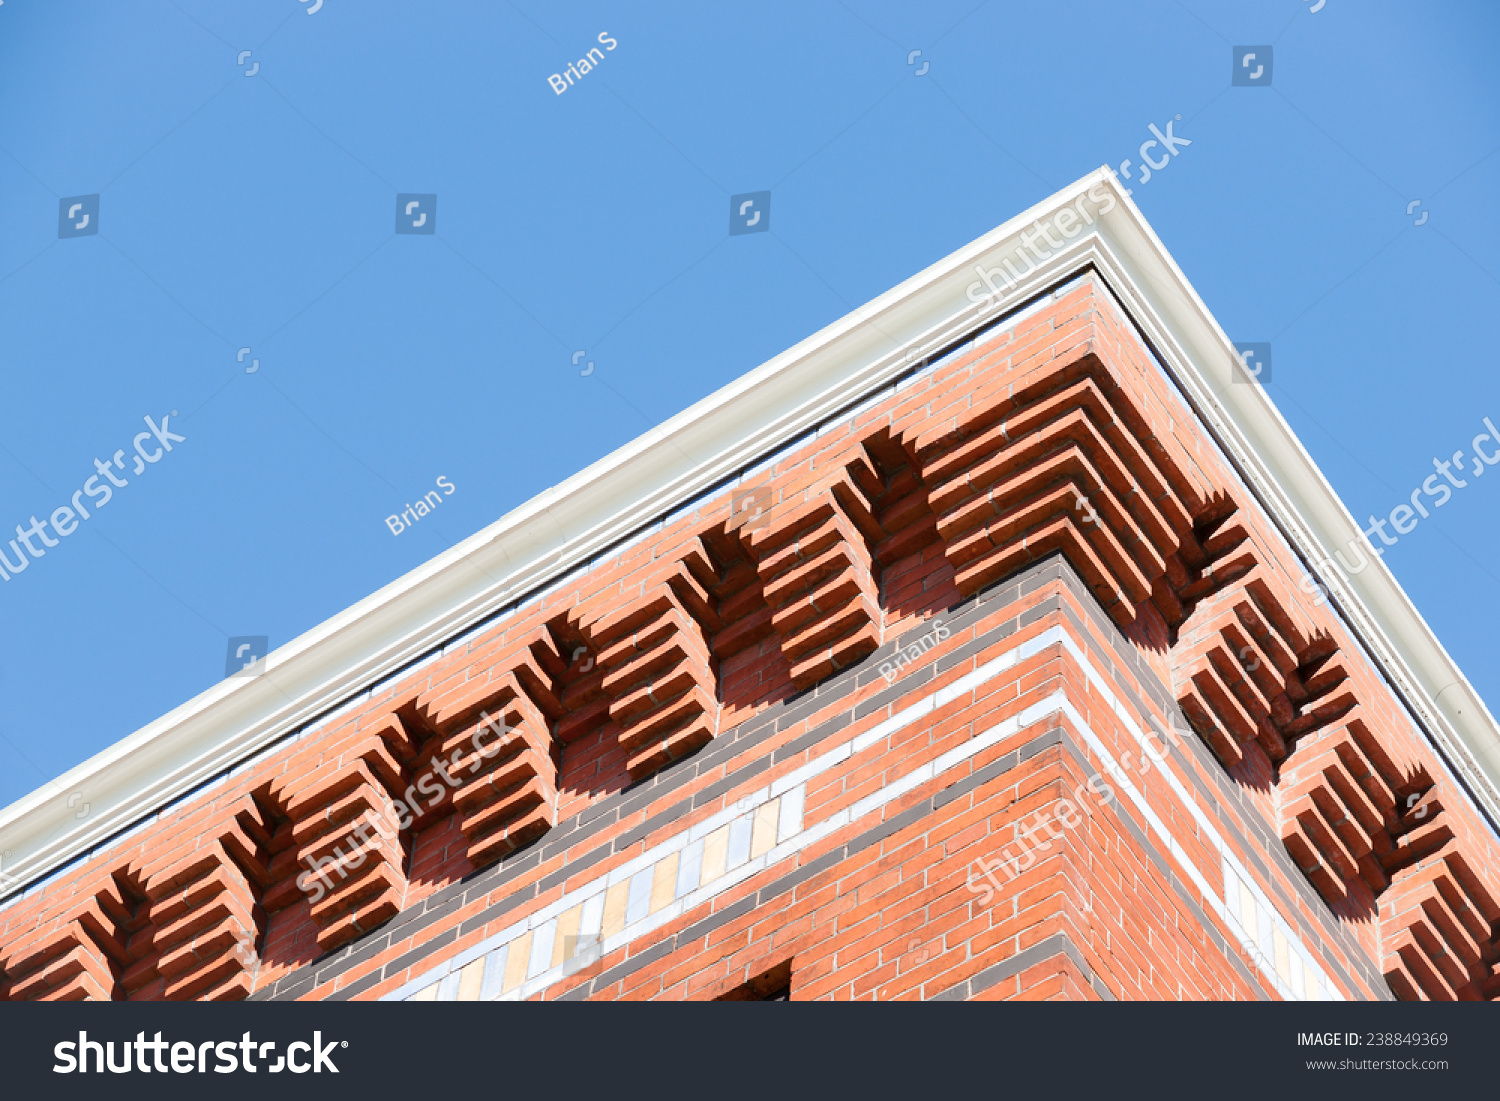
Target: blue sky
x,y
258,211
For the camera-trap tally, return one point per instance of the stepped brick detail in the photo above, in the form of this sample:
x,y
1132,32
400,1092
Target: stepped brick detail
x,y
339,847
1210,556
1341,810
1369,837
79,960
900,526
580,688
659,675
726,595
494,739
1056,466
1439,923
204,918
819,577
1250,676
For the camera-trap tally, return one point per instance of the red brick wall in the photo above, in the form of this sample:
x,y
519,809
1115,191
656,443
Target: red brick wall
x,y
640,697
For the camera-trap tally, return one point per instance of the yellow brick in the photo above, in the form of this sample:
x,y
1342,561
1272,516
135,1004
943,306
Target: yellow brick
x,y
567,931
763,831
663,882
516,961
469,979
715,854
614,909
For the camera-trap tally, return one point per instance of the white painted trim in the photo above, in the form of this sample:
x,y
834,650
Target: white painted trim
x,y
568,525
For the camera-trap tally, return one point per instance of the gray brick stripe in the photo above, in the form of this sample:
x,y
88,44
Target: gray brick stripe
x,y
1058,944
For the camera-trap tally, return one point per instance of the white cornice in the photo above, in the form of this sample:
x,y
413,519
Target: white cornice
x,y
568,525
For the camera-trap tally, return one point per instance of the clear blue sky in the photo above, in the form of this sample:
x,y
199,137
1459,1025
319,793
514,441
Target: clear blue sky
x,y
258,211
